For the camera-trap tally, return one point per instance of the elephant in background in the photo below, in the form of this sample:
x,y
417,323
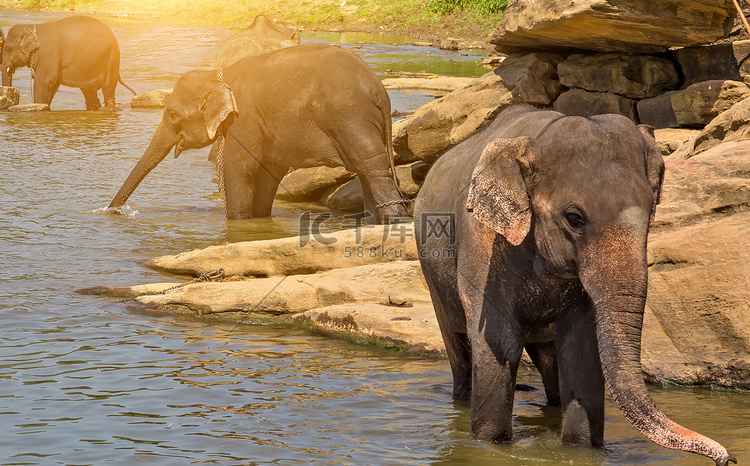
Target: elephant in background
x,y
262,36
302,106
77,51
542,244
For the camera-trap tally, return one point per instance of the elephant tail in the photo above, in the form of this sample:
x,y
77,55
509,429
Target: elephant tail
x,y
119,79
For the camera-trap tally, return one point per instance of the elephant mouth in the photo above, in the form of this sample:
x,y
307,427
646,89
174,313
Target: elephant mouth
x,y
180,147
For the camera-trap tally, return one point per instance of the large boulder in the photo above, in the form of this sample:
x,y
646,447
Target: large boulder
x,y
348,197
632,76
733,125
696,326
694,106
443,123
9,96
312,251
585,103
262,36
153,99
631,26
531,78
305,184
711,62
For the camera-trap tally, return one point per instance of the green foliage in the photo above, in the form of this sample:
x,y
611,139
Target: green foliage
x,y
444,7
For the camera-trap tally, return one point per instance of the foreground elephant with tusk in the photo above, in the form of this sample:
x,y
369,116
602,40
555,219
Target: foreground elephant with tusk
x,y
302,106
532,233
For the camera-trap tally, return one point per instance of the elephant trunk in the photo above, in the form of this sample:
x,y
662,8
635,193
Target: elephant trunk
x,y
157,150
618,289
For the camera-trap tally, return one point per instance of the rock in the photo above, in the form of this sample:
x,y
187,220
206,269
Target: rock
x,y
694,106
670,139
153,99
708,63
449,44
9,97
715,181
301,292
696,327
306,184
345,198
314,252
531,78
29,108
639,26
730,126
413,328
443,123
585,103
439,83
410,178
348,197
401,152
633,76
262,36
492,62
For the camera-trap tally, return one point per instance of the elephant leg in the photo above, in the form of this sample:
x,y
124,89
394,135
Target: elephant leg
x,y
581,380
456,341
44,91
544,357
371,212
92,99
265,185
493,385
367,155
239,177
496,347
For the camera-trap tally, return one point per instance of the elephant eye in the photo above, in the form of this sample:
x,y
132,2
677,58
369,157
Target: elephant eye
x,y
575,218
173,116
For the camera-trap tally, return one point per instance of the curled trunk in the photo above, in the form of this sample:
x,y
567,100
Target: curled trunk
x,y
160,145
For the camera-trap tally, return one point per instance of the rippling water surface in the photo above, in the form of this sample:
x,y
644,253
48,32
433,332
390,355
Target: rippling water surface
x,y
85,380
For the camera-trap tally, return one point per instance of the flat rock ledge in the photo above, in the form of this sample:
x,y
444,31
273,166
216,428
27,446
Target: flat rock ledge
x,y
364,285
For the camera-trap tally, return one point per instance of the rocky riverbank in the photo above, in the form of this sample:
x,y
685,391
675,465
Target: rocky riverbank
x,y
697,324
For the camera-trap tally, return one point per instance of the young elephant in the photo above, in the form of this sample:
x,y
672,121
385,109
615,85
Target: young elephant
x,y
77,51
532,233
303,106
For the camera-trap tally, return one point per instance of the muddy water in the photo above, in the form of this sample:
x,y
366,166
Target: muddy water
x,y
83,380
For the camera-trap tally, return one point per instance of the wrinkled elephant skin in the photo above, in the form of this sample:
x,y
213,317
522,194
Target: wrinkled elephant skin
x,y
532,234
305,106
76,51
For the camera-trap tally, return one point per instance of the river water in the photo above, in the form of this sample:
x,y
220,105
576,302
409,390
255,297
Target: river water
x,y
84,380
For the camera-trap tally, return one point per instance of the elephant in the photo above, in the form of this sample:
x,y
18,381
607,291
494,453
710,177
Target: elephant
x,y
77,51
532,234
302,106
262,36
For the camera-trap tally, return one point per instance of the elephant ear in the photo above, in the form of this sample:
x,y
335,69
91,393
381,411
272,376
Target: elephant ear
x,y
497,192
654,165
29,42
217,103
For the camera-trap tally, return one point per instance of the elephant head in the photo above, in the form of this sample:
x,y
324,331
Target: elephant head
x,y
587,211
193,116
17,50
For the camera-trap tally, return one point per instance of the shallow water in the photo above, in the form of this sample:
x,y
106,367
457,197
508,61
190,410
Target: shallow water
x,y
86,380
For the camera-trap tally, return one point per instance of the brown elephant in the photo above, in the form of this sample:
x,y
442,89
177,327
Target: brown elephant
x,y
262,36
305,106
532,233
77,51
